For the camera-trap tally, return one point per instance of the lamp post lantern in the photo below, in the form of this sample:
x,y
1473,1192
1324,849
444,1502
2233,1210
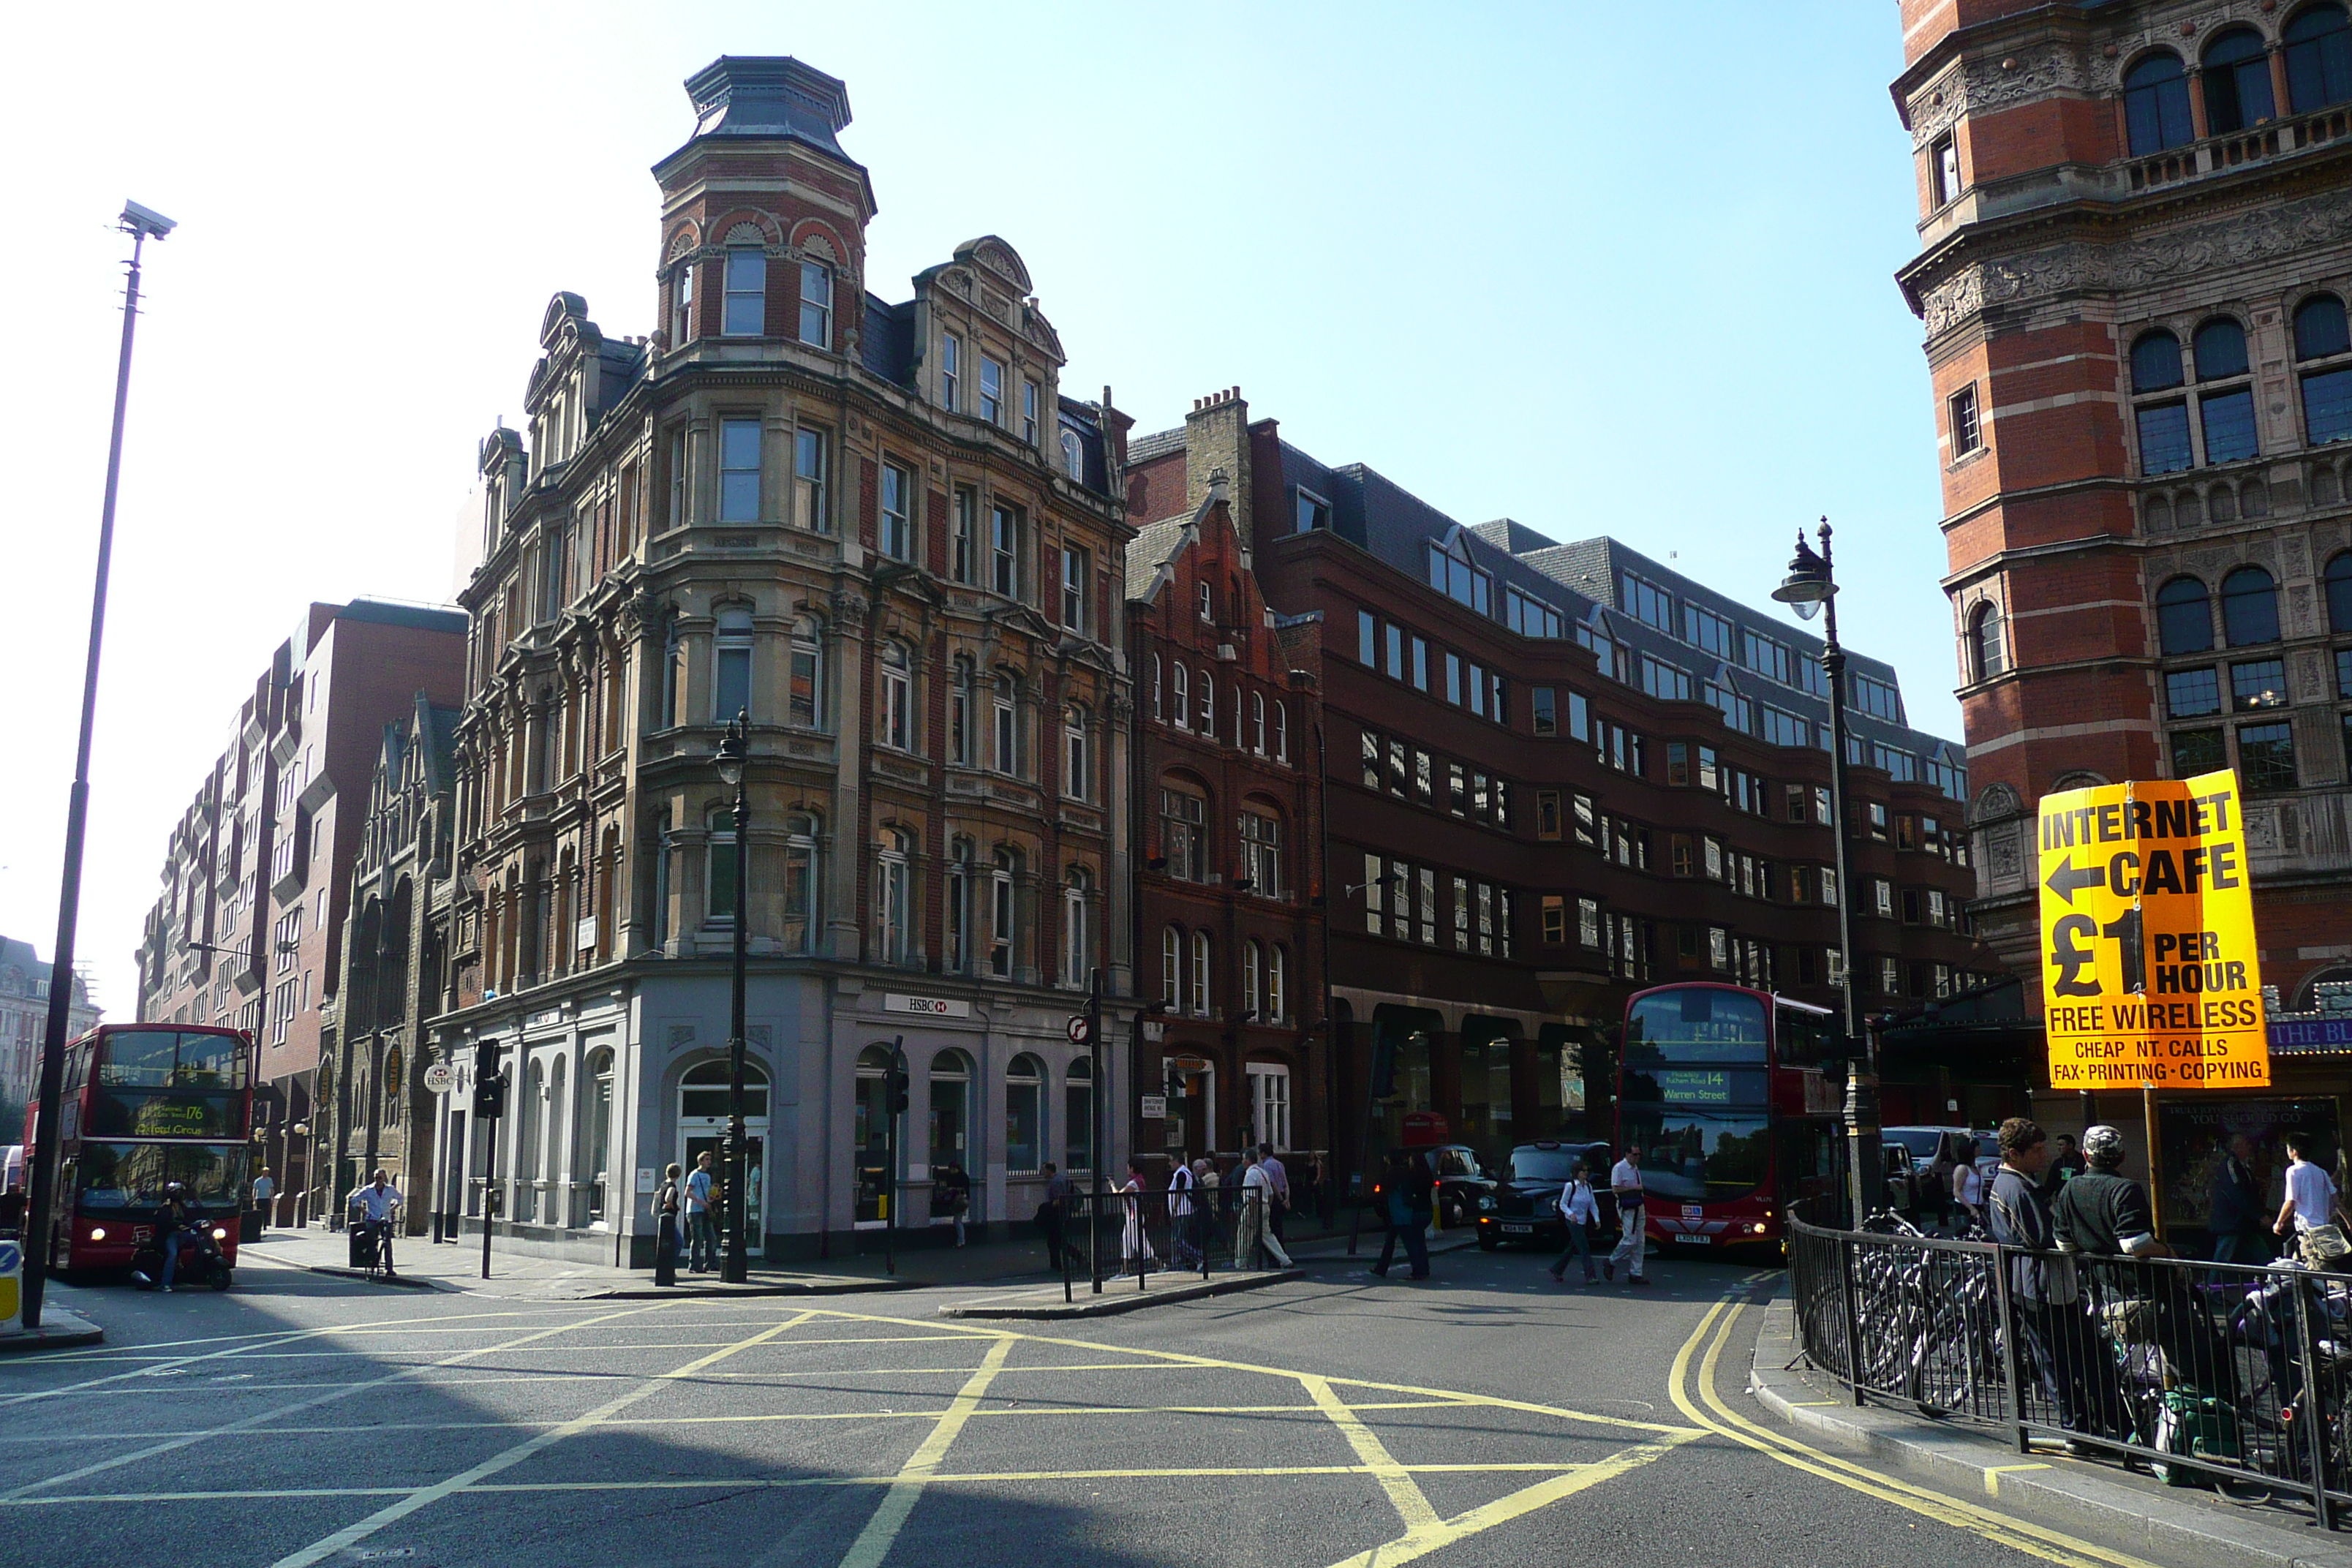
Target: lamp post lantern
x,y
1810,589
734,1267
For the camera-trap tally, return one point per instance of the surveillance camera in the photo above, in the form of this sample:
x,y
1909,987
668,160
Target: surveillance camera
x,y
146,220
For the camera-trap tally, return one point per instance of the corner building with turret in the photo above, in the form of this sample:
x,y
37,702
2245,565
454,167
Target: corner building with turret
x,y
2134,258
882,533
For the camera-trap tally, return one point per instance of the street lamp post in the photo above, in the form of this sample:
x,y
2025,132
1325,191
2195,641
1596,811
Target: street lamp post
x,y
1810,589
41,1159
734,1268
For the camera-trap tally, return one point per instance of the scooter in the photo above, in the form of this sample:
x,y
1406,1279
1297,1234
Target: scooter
x,y
201,1260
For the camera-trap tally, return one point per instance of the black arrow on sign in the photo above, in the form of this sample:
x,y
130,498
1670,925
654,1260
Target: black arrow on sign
x,y
2067,878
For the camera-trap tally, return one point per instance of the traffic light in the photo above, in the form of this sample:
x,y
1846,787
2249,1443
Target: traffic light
x,y
897,1091
489,1084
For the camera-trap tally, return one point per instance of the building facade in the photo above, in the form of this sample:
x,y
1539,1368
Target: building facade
x,y
1230,823
1555,773
2135,251
374,1111
880,534
25,1023
248,931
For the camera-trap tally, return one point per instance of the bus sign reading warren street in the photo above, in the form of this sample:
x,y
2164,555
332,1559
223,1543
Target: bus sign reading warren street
x,y
2148,971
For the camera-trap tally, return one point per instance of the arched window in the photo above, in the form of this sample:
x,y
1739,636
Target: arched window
x,y
1278,984
1171,966
597,1137
1199,999
2237,80
1077,926
1074,456
1987,657
959,712
1003,910
1077,752
2249,608
897,719
958,911
799,882
1254,977
1184,697
1257,722
951,1119
2155,105
1025,1115
2339,593
1208,725
805,682
702,1090
891,877
730,671
530,1136
2318,58
2319,333
2156,361
719,826
2184,617
2221,350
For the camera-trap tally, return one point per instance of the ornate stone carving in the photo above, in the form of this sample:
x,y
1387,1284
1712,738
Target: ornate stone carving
x,y
851,611
1930,119
2004,859
2033,72
1995,802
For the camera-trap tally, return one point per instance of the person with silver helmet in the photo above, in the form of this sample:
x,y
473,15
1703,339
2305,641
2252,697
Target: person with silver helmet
x,y
2102,1212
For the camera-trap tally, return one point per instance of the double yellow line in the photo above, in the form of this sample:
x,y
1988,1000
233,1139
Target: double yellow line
x,y
1715,1330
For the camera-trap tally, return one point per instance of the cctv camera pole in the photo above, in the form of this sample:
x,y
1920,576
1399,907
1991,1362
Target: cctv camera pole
x,y
41,1159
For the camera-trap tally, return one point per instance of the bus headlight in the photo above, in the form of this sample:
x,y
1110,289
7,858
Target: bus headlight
x,y
97,1233
220,1234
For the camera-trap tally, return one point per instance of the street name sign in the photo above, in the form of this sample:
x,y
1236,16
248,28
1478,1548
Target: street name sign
x,y
2149,976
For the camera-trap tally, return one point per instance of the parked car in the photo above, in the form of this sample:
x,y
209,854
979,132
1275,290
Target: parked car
x,y
1525,1205
1912,1151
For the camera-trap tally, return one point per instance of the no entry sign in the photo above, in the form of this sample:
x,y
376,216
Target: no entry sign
x,y
2149,976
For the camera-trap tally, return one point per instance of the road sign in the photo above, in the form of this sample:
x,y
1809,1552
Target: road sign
x,y
2149,976
439,1078
1079,1029
1154,1105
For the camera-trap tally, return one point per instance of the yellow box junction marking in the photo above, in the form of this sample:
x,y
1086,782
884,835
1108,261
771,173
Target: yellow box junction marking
x,y
2149,971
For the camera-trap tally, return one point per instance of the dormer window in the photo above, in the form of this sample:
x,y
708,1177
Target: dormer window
x,y
682,311
816,305
991,390
1074,456
747,292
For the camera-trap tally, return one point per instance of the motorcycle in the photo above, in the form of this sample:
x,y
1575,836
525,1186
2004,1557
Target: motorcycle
x,y
202,1261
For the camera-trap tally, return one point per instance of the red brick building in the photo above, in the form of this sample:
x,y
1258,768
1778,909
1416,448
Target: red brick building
x,y
2135,251
1229,933
260,863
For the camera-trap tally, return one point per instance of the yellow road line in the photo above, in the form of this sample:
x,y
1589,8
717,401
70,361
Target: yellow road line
x,y
1994,1472
1411,1507
2014,1533
328,1546
881,1531
1508,1507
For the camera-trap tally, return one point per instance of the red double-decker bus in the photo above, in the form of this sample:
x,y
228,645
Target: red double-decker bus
x,y
146,1105
1720,1086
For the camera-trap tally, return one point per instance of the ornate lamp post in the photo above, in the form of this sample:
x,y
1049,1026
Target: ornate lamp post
x,y
1810,589
734,1267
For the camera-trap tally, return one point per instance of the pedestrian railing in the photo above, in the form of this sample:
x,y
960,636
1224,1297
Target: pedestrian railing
x,y
1134,1236
2224,1374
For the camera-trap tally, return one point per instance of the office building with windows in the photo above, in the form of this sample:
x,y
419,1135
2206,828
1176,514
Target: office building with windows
x,y
248,931
880,534
25,1021
1228,728
2134,258
1552,774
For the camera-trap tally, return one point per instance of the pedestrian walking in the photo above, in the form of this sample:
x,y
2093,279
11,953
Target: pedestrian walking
x,y
1135,1251
668,1202
1967,1182
1580,1208
1257,1229
264,1189
1277,1187
1051,1212
1404,1207
2044,1292
1633,1224
2236,1217
951,1195
1204,1202
2312,1199
1939,1183
1181,1246
702,1227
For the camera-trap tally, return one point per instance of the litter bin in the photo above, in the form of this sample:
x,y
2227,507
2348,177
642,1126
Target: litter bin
x,y
249,1226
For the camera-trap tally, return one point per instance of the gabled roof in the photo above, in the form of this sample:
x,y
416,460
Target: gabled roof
x,y
1150,552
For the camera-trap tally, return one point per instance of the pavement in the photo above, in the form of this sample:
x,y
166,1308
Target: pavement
x,y
1486,1417
2099,1497
60,1330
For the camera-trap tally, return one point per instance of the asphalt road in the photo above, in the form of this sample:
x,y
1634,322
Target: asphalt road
x,y
1488,1418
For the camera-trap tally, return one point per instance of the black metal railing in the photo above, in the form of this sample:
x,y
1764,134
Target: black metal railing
x,y
1134,1236
2224,1374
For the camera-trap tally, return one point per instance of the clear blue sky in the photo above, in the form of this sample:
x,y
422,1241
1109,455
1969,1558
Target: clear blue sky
x,y
1571,264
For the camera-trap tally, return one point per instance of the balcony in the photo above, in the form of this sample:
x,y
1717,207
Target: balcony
x,y
2219,154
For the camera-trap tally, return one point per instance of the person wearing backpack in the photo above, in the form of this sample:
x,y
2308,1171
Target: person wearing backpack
x,y
1579,1208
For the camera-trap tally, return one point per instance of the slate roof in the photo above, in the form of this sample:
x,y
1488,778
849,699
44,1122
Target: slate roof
x,y
1154,545
1159,444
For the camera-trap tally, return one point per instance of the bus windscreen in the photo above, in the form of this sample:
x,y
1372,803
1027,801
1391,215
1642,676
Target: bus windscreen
x,y
169,1059
109,1176
1696,1156
1696,1025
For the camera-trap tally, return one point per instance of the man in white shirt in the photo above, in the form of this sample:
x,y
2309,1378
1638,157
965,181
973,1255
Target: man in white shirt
x,y
375,1204
1257,1195
1625,1181
2310,1194
701,1225
1278,1181
265,1192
